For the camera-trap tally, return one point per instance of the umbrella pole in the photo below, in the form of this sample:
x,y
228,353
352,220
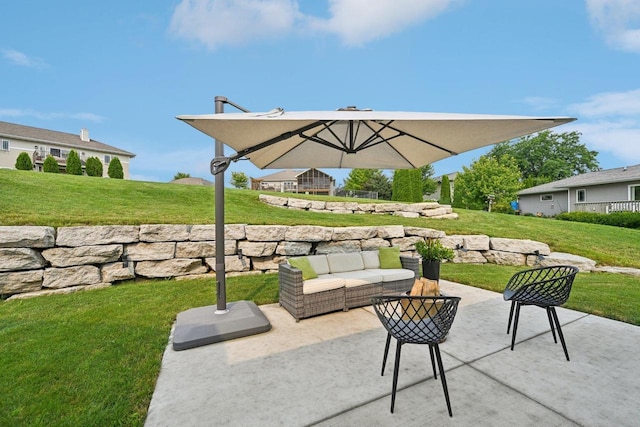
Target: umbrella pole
x,y
207,325
221,282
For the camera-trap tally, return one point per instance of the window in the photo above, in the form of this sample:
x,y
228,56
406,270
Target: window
x,y
55,152
581,196
5,145
107,159
546,198
634,192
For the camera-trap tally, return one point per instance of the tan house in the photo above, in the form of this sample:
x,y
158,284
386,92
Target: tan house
x,y
40,143
311,181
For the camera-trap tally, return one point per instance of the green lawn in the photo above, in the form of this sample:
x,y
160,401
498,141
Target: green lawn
x,y
92,358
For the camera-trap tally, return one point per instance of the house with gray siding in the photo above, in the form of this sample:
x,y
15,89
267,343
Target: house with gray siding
x,y
605,191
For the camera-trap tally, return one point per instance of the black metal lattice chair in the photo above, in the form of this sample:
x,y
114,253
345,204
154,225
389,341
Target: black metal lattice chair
x,y
417,320
545,287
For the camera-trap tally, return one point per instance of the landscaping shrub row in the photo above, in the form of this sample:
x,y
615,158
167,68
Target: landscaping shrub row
x,y
616,219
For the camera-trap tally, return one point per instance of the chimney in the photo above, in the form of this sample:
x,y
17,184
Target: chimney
x,y
84,134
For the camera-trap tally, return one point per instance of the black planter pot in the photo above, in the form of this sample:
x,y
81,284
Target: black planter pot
x,y
431,269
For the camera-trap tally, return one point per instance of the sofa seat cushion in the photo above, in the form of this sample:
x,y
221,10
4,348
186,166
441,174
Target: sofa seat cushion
x,y
358,278
319,264
393,274
351,261
324,282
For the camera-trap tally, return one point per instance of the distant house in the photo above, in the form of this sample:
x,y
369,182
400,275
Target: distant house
x,y
40,143
603,191
311,181
436,194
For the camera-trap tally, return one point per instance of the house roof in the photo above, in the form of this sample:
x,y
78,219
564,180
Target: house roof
x,y
192,181
285,175
608,176
45,136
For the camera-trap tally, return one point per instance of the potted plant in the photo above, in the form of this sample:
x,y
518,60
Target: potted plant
x,y
433,252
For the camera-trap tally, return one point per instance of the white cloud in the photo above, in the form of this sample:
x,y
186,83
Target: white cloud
x,y
610,122
16,112
618,20
232,22
21,59
610,104
215,23
618,137
357,22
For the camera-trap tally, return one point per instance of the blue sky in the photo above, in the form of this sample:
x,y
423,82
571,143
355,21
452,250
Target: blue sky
x,y
124,69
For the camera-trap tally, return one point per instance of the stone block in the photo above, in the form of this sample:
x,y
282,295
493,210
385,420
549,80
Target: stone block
x,y
71,276
83,255
27,237
164,232
13,259
20,282
144,251
97,235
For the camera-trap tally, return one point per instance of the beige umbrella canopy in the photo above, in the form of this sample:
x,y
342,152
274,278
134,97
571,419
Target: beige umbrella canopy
x,y
352,138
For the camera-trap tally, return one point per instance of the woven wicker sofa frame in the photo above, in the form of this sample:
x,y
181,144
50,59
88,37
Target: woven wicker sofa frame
x,y
302,305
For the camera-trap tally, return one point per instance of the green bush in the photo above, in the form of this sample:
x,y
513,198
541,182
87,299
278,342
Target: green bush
x,y
50,165
445,191
23,162
115,169
407,186
94,167
74,165
616,219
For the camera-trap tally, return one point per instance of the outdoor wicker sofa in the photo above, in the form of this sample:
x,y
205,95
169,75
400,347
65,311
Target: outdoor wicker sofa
x,y
342,281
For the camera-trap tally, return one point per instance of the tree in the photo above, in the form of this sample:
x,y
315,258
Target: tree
x,y
407,185
429,185
488,176
74,165
548,156
23,162
239,180
445,191
94,167
181,175
115,169
369,180
50,165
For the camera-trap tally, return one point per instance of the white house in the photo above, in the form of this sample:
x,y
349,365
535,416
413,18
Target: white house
x,y
40,143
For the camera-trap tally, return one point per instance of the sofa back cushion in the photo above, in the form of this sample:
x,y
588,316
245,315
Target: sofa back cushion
x,y
370,259
319,263
339,263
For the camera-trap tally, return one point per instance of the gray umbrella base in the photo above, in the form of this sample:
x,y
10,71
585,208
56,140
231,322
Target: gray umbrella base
x,y
202,326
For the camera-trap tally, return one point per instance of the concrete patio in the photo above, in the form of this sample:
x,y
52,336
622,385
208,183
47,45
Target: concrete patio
x,y
326,371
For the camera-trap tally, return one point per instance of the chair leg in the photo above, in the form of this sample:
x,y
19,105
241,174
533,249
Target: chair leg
x,y
396,368
555,318
386,352
433,363
513,303
553,329
443,379
515,325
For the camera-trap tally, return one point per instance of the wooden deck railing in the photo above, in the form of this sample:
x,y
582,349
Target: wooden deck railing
x,y
608,207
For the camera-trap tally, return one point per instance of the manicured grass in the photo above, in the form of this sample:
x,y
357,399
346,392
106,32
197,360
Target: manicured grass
x,y
29,198
92,358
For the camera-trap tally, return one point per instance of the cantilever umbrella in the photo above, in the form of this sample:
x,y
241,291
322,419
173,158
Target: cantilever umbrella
x,y
345,138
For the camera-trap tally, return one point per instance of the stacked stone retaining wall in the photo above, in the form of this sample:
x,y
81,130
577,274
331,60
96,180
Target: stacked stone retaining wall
x,y
36,260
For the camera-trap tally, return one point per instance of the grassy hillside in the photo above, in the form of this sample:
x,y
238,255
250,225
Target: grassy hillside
x,y
29,198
